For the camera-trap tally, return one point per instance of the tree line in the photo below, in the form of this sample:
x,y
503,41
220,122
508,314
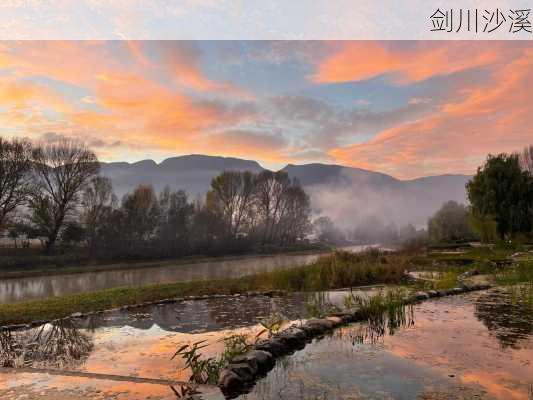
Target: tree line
x,y
501,203
54,192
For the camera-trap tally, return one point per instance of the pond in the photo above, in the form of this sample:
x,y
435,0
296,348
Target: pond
x,y
465,347
478,345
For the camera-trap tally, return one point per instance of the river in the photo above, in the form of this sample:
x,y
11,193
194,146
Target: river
x,y
43,287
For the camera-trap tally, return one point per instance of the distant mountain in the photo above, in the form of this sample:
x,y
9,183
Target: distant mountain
x,y
192,173
348,195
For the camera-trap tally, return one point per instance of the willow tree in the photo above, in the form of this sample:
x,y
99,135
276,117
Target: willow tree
x,y
503,191
62,170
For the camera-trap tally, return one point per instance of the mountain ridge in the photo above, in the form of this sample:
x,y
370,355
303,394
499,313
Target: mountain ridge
x,y
334,189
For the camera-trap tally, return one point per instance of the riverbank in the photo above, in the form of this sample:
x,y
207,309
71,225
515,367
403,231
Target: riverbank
x,y
340,269
64,265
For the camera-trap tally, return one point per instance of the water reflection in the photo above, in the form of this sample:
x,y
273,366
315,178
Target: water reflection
x,y
455,348
447,354
209,315
23,289
510,321
58,345
16,290
185,392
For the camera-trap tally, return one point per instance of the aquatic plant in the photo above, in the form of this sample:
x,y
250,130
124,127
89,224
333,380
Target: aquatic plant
x,y
207,369
318,305
384,311
235,345
203,370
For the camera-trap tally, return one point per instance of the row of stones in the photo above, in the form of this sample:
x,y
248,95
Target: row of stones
x,y
79,315
244,370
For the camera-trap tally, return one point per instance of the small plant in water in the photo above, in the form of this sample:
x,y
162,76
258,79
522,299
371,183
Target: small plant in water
x,y
203,370
384,310
207,369
318,305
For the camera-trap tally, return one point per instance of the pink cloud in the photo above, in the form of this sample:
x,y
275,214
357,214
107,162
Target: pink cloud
x,y
457,137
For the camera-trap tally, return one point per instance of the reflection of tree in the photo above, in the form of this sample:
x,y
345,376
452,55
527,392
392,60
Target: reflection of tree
x,y
51,345
378,325
509,321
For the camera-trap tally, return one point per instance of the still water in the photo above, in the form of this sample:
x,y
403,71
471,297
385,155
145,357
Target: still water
x,y
474,346
42,287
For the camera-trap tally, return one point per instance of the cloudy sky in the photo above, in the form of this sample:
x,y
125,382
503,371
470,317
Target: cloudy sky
x,y
405,108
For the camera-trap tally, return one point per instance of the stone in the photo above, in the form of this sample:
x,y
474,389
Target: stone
x,y
432,293
76,315
421,295
335,320
259,360
273,346
228,380
358,315
317,326
345,316
243,370
293,338
252,363
457,290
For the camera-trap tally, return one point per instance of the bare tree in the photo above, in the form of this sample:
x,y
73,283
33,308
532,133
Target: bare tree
x,y
526,159
142,215
15,175
61,172
271,194
232,194
98,201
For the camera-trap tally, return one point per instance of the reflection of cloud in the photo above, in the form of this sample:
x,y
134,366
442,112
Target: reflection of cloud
x,y
494,383
448,338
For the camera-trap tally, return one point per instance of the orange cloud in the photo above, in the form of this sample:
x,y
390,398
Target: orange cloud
x,y
182,61
361,60
456,138
129,99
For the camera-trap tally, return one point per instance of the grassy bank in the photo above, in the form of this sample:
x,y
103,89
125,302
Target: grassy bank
x,y
340,269
336,270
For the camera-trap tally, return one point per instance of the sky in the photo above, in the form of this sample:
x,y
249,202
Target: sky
x,y
405,108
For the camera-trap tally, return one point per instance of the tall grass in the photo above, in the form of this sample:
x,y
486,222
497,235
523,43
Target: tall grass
x,y
340,269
